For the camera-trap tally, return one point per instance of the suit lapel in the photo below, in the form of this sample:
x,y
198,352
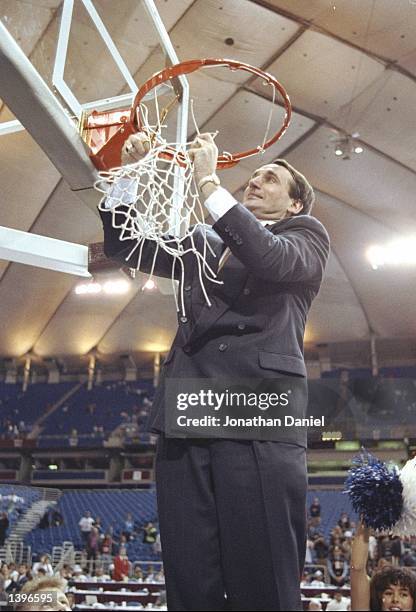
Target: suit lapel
x,y
233,275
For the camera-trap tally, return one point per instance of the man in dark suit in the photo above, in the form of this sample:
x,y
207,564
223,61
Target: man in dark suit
x,y
232,507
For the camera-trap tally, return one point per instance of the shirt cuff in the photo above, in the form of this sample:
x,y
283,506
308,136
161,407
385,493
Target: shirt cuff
x,y
219,203
124,191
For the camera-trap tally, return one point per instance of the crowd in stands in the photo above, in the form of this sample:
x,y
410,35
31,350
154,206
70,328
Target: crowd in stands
x,y
106,548
77,581
105,559
328,558
86,414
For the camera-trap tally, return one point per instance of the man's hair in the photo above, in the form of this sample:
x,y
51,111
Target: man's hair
x,y
384,578
40,585
300,189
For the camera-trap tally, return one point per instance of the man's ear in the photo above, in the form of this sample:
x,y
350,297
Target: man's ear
x,y
295,207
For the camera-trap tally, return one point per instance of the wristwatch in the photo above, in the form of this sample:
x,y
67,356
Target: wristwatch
x,y
211,178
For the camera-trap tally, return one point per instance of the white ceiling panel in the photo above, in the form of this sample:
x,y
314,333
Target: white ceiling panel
x,y
336,295
327,73
29,296
382,27
147,324
81,320
408,62
27,180
369,182
387,295
382,115
255,33
27,21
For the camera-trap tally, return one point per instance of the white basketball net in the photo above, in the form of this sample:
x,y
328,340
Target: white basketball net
x,y
157,199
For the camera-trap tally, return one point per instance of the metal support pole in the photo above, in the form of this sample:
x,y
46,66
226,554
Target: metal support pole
x,y
374,356
46,120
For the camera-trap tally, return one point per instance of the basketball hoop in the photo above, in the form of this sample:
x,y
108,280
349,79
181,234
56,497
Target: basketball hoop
x,y
156,198
108,156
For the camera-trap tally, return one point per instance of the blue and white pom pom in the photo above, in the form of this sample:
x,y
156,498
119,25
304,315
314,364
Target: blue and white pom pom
x,y
406,525
384,497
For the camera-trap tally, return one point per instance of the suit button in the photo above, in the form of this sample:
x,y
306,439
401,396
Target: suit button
x,y
246,291
183,320
227,229
223,347
187,348
239,241
188,287
241,326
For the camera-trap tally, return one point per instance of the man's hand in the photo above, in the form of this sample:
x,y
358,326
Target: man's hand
x,y
135,148
204,154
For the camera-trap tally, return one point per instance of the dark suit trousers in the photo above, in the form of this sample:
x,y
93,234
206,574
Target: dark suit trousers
x,y
232,521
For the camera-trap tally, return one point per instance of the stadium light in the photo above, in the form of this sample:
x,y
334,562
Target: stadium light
x,y
110,287
149,285
400,252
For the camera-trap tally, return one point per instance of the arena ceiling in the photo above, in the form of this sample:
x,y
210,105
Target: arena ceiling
x,y
349,67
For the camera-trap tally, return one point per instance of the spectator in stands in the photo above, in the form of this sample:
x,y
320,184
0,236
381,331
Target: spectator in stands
x,y
160,576
317,580
150,534
100,575
372,550
4,526
57,519
78,574
44,521
320,548
98,525
339,602
128,526
151,576
138,575
65,572
93,548
47,586
23,576
7,582
347,544
106,549
397,550
85,524
384,549
409,558
337,568
391,588
315,508
43,565
121,566
308,554
314,604
344,521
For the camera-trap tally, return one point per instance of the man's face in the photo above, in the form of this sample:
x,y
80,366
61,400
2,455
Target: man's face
x,y
267,193
397,597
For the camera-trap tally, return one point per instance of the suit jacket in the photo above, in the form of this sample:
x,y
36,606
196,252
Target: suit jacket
x,y
255,325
